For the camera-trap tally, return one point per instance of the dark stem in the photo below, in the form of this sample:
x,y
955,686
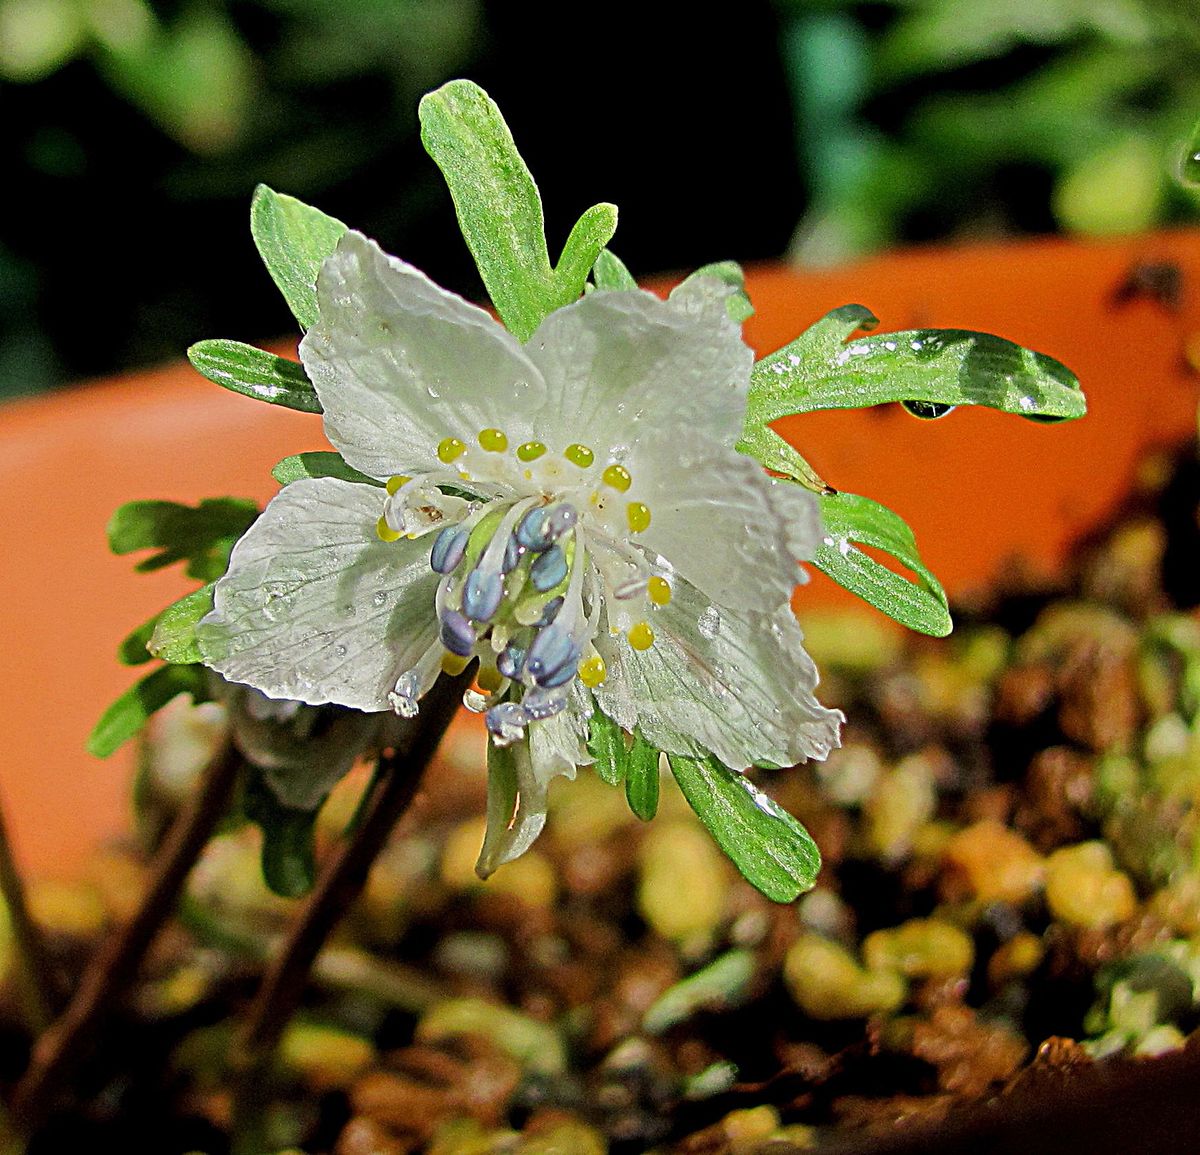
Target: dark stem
x,y
116,962
396,783
38,978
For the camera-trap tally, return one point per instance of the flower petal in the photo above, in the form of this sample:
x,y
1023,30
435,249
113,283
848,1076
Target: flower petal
x,y
721,522
400,364
738,684
618,365
315,607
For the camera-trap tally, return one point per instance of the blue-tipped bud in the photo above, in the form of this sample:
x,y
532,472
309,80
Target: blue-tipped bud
x,y
448,549
560,520
458,635
531,533
540,704
512,555
506,723
550,612
511,661
551,650
563,674
548,569
482,594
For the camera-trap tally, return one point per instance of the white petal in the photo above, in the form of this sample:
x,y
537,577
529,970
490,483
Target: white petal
x,y
618,365
400,364
315,607
736,683
721,522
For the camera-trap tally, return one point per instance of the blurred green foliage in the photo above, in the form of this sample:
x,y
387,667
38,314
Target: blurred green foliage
x,y
924,118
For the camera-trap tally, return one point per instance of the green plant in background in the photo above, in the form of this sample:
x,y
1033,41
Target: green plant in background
x,y
1097,96
569,506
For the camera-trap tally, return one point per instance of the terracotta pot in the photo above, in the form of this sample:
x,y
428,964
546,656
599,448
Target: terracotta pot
x,y
977,487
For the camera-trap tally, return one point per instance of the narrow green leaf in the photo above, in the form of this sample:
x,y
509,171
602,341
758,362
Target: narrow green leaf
x,y
255,373
938,367
774,853
293,240
319,463
201,535
772,452
849,519
132,650
130,712
609,273
500,211
642,779
174,637
606,744
289,841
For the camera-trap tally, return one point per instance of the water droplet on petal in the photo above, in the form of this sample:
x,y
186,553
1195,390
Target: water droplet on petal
x,y
709,623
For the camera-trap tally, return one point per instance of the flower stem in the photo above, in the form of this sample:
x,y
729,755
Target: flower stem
x,y
37,975
396,783
116,962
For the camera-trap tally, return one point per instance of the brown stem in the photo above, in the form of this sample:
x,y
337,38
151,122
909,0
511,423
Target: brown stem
x,y
341,881
116,962
39,988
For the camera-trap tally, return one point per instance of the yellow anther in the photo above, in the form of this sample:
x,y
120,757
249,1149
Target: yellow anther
x,y
638,515
385,531
493,440
394,484
489,679
449,449
579,455
641,636
530,450
453,665
618,477
593,671
658,590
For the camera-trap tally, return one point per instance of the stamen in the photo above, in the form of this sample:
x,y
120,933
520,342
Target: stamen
x,y
506,723
539,705
531,533
593,671
550,611
395,484
403,699
458,635
564,673
493,440
512,555
658,590
450,449
561,519
552,649
483,592
641,636
618,477
548,570
511,661
448,549
637,513
579,455
385,531
530,451
453,665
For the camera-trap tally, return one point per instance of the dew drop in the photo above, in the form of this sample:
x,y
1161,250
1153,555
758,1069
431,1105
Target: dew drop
x,y
340,650
380,598
709,623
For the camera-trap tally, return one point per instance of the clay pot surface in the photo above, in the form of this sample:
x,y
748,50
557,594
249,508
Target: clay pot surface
x,y
979,488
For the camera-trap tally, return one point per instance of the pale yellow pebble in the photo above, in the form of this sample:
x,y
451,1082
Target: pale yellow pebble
x,y
1020,956
826,983
746,1129
530,877
1084,889
325,1056
902,801
673,850
920,948
997,864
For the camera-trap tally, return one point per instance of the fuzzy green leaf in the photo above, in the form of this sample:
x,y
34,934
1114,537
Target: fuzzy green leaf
x,y
289,863
174,637
606,744
774,853
132,650
500,211
609,273
319,463
201,535
293,240
255,373
130,712
822,369
849,519
642,779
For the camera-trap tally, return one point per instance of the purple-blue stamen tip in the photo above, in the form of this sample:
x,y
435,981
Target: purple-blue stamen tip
x,y
561,519
506,721
482,594
531,532
551,650
548,569
458,635
510,661
448,549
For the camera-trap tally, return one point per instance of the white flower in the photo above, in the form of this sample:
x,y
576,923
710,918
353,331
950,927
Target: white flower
x,y
571,512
